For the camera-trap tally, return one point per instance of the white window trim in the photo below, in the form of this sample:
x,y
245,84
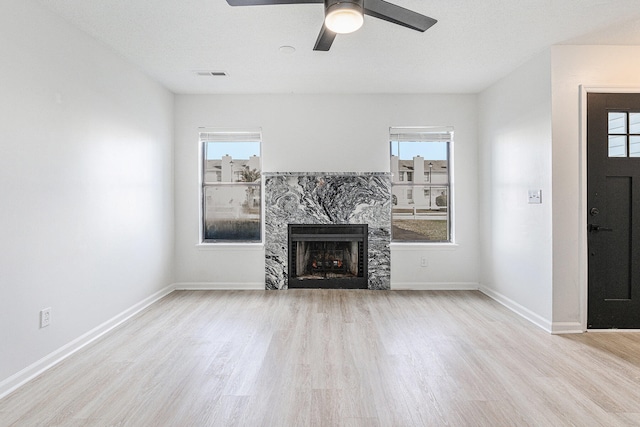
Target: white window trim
x,y
417,130
236,134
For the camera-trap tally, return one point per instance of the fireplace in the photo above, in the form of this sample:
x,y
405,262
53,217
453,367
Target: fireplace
x,y
330,198
328,256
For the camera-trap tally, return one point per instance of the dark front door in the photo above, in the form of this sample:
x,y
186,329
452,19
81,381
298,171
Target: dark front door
x,y
613,204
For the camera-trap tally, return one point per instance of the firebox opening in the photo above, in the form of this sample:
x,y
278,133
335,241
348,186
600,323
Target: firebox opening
x,y
328,256
319,260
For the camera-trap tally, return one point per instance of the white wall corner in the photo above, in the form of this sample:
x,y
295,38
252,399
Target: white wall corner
x,y
524,312
30,372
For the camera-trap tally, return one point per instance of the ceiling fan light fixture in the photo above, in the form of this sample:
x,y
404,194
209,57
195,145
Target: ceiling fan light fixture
x,y
343,17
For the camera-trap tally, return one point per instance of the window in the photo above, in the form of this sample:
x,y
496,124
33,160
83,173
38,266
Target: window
x,y
624,134
231,187
421,210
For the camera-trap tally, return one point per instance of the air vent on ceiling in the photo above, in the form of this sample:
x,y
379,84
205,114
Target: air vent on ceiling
x,y
211,73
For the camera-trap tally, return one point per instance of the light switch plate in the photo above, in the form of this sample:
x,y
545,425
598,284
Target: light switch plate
x,y
45,317
535,197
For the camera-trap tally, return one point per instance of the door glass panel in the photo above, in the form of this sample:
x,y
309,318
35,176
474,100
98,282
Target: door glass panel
x,y
617,145
634,123
634,146
617,123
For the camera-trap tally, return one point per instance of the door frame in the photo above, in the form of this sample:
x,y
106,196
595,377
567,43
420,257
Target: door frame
x,y
582,198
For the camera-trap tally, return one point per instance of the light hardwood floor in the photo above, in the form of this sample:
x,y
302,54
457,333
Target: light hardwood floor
x,y
335,358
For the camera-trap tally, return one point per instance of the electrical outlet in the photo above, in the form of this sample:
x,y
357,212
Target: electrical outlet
x,y
423,262
45,317
535,197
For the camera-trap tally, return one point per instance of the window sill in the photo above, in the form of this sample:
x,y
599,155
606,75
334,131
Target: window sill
x,y
412,246
230,246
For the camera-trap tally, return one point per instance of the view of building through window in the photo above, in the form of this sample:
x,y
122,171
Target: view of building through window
x,y
231,189
420,186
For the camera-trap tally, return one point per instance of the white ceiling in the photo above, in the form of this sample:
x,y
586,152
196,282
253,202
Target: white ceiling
x,y
474,43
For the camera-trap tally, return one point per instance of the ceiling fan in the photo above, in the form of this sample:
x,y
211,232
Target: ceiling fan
x,y
346,16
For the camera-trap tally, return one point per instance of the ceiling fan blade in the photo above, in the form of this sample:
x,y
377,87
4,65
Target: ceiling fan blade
x,y
268,2
398,15
325,39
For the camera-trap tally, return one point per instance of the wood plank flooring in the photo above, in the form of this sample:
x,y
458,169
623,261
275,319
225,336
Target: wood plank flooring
x,y
336,358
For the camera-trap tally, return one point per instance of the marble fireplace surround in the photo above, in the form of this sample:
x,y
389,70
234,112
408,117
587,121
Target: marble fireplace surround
x,y
327,198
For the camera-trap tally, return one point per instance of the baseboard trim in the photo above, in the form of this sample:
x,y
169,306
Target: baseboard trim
x,y
524,312
435,286
219,286
401,286
559,328
27,374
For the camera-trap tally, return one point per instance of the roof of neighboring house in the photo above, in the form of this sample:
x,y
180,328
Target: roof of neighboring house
x,y
438,165
216,164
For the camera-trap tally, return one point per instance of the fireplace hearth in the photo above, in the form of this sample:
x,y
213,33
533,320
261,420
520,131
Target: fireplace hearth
x,y
330,256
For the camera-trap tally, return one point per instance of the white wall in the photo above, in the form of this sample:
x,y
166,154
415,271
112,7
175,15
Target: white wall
x,y
572,66
325,133
86,218
515,156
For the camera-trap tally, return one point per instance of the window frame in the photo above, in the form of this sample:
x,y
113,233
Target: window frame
x,y
225,135
627,134
428,185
